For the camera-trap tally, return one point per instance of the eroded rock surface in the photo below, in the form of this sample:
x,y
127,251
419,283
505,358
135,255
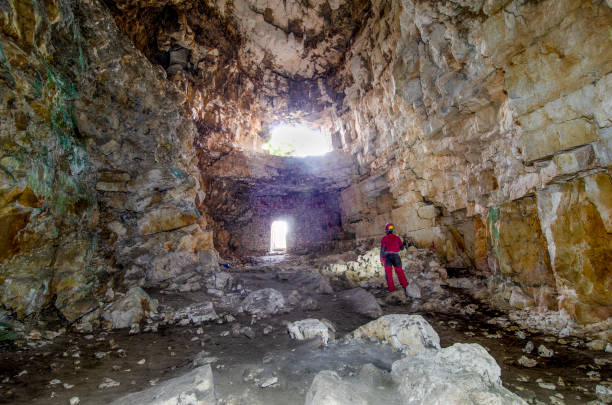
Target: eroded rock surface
x,y
194,388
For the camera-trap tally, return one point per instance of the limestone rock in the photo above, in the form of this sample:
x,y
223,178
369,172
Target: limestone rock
x,y
458,374
461,373
193,388
167,218
130,309
311,328
411,334
413,291
196,314
573,219
362,302
265,302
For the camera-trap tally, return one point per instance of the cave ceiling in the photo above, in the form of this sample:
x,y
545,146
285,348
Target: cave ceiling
x,y
247,64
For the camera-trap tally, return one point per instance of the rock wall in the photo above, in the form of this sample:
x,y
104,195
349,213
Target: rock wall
x,y
247,192
98,187
48,205
484,127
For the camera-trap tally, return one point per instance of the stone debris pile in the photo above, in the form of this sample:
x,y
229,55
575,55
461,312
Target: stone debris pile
x,y
462,373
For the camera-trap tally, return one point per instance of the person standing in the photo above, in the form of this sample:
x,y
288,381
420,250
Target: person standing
x,y
390,246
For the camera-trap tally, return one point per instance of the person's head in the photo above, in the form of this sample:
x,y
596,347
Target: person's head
x,y
389,228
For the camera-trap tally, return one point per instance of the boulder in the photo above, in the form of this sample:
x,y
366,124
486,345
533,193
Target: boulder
x,y
311,328
196,314
193,388
411,334
263,302
460,374
130,309
362,302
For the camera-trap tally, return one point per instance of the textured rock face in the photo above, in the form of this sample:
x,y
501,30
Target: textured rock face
x,y
97,163
409,333
459,374
576,225
464,118
48,209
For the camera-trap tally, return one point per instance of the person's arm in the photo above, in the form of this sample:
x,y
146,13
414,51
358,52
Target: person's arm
x,y
382,252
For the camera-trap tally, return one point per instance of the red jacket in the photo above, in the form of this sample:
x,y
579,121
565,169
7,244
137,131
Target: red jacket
x,y
390,243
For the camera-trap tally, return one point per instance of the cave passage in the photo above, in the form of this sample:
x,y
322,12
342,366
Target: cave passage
x,y
193,195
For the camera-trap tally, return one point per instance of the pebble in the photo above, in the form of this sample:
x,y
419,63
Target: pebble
x,y
594,376
268,382
556,400
55,382
75,401
108,383
526,362
528,347
521,335
68,386
141,362
543,351
100,355
547,386
522,378
135,329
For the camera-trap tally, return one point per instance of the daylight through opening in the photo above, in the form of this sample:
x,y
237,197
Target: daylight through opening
x,y
278,240
297,140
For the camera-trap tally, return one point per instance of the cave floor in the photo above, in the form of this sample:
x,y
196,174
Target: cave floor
x,y
242,364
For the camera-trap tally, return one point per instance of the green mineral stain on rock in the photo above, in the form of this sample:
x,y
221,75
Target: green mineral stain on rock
x,y
493,219
178,173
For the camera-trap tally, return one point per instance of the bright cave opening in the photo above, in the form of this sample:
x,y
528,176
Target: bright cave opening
x,y
297,140
278,238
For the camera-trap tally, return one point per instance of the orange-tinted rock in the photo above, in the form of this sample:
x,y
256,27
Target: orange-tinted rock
x,y
579,245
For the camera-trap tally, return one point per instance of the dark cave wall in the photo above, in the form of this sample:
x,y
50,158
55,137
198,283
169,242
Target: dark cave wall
x,y
243,219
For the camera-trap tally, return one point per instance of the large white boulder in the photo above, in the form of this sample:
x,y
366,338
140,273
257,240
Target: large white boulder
x,y
194,388
460,374
196,314
411,334
463,374
130,309
311,328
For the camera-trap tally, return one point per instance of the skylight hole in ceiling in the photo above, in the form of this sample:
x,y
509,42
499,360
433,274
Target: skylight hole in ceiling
x,y
297,140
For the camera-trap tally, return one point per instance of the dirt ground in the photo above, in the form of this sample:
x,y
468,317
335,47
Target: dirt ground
x,y
75,364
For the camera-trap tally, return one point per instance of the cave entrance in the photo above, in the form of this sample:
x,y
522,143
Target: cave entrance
x,y
297,140
278,240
